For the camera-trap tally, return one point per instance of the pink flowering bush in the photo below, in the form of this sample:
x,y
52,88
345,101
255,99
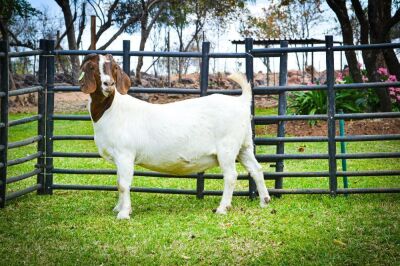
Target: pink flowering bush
x,y
364,100
394,92
382,71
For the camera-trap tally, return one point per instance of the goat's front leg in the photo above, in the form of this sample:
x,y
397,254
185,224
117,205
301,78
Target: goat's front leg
x,y
125,176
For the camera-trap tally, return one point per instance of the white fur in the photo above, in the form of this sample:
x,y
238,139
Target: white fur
x,y
106,81
179,138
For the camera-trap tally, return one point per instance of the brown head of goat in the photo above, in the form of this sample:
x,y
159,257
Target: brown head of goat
x,y
100,77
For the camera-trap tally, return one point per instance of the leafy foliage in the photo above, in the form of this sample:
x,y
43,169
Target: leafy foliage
x,y
308,102
10,10
315,102
127,9
284,19
348,100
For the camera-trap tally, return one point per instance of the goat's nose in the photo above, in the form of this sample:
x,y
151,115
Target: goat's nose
x,y
109,83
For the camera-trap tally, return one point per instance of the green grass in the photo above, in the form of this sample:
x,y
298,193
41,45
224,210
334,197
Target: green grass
x,y
79,227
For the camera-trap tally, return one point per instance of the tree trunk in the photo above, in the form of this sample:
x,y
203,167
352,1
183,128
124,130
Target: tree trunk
x,y
371,30
139,65
180,64
392,62
340,9
145,32
72,45
378,14
373,59
143,38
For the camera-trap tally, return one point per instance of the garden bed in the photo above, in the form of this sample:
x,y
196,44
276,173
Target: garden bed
x,y
352,127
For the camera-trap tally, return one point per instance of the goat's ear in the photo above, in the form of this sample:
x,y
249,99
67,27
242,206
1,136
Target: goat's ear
x,y
123,82
89,57
87,78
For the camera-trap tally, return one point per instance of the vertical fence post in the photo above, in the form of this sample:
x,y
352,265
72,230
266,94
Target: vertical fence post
x,y
126,61
92,32
282,104
4,85
330,72
205,59
250,78
49,116
169,60
41,146
204,69
343,151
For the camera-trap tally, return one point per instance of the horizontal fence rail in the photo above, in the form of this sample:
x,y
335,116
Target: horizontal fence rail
x,y
25,120
25,91
25,142
5,124
23,176
45,167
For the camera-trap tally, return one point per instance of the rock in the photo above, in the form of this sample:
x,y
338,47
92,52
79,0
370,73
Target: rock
x,y
187,81
30,80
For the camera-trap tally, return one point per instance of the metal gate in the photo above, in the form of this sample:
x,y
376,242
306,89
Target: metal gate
x,y
45,169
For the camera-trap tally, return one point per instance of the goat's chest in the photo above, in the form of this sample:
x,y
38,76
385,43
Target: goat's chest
x,y
105,145
109,139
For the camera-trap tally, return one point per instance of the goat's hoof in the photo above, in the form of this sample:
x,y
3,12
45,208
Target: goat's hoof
x,y
264,201
117,208
122,215
267,199
222,210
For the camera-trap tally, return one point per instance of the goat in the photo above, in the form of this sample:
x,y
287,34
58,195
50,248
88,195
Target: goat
x,y
177,138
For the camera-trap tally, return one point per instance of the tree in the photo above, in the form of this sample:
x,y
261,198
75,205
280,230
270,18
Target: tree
x,y
182,15
284,19
10,10
69,19
116,14
144,15
107,20
340,9
375,22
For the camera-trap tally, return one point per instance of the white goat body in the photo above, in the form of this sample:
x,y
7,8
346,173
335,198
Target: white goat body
x,y
178,138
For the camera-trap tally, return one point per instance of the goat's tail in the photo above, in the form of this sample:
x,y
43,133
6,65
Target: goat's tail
x,y
241,79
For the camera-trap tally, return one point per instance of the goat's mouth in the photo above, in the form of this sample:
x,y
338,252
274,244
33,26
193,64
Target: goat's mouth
x,y
107,90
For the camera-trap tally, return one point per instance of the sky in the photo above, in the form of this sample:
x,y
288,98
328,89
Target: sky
x,y
222,42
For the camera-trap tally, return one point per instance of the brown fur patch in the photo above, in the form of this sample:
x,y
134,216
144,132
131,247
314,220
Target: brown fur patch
x,y
100,104
91,83
91,78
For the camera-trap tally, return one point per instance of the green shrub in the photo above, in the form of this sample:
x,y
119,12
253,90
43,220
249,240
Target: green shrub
x,y
308,102
315,102
348,100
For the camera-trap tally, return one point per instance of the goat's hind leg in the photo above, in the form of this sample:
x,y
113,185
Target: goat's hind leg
x,y
228,167
118,207
125,176
248,160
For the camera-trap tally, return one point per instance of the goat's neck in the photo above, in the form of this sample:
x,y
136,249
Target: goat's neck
x,y
99,104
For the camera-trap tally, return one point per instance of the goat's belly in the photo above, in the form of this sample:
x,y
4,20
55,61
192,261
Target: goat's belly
x,y
181,166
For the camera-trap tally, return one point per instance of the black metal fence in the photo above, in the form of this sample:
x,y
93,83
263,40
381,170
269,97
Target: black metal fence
x,y
45,168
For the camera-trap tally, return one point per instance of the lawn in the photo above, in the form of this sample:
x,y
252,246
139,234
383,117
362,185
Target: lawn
x,y
79,227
